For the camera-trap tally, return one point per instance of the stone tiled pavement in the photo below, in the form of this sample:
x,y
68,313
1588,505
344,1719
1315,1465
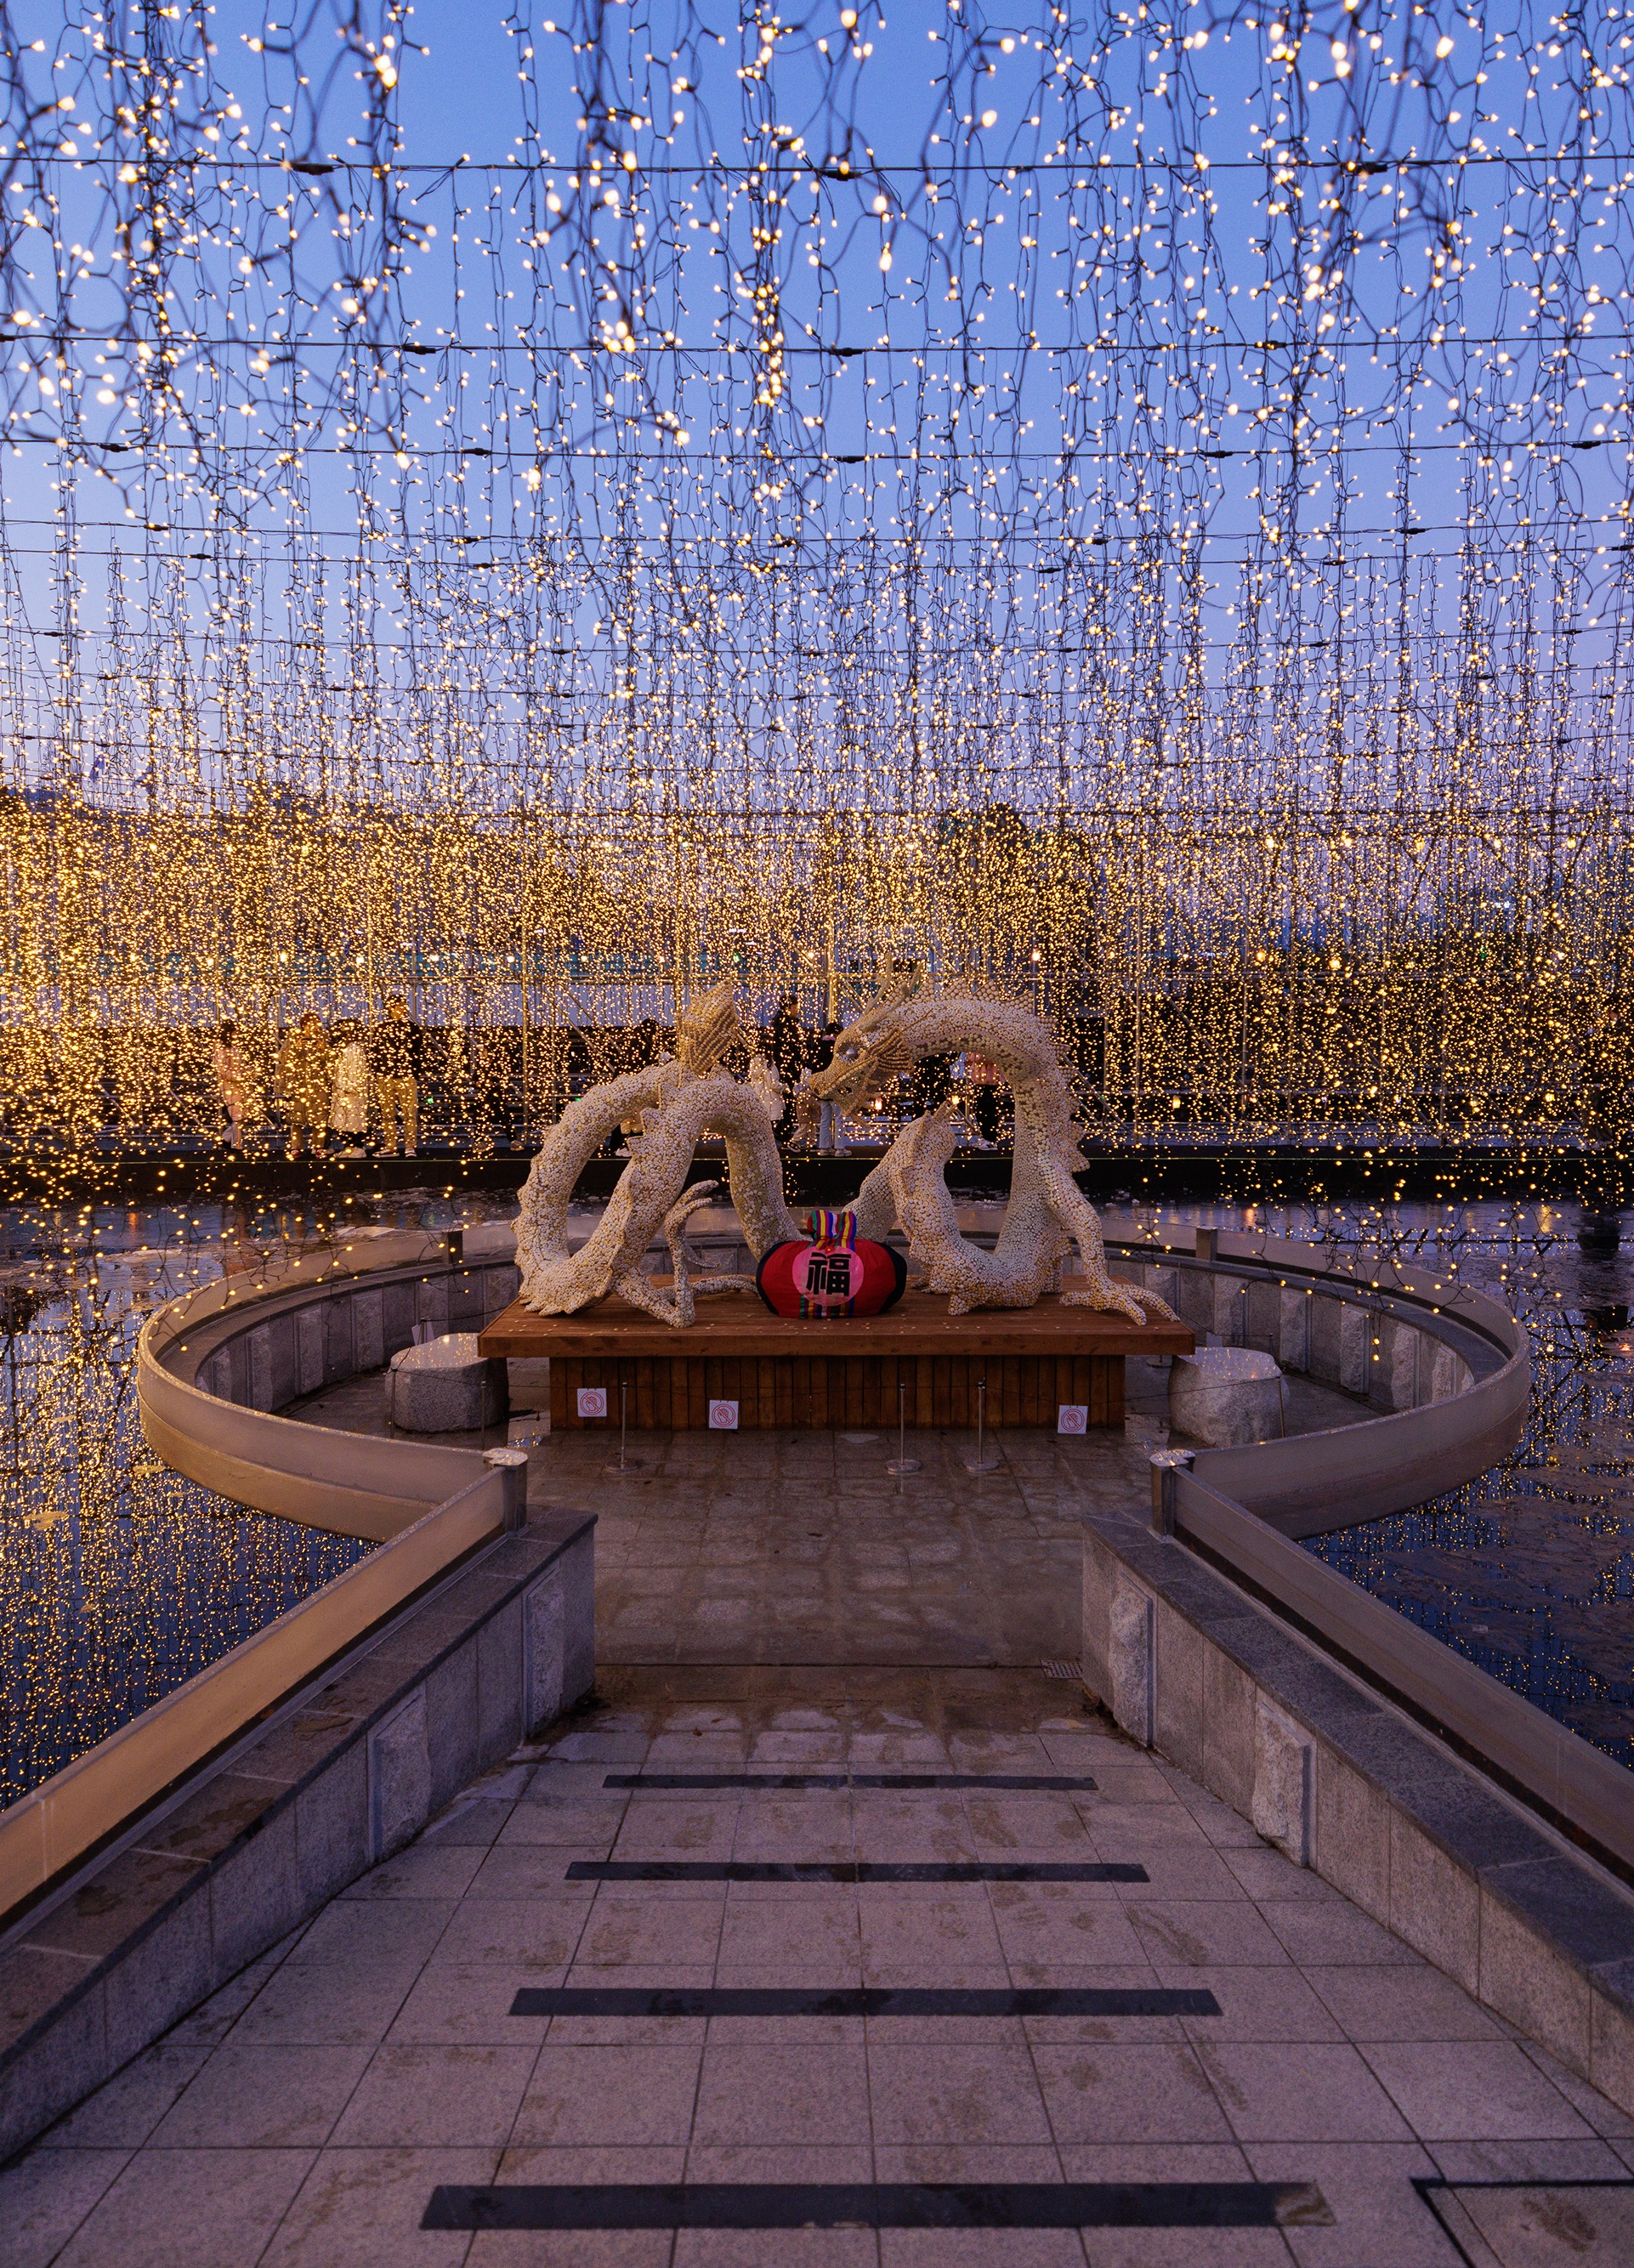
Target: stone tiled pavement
x,y
302,2119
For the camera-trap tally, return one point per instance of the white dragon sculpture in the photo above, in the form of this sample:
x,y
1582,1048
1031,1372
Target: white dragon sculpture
x,y
679,1098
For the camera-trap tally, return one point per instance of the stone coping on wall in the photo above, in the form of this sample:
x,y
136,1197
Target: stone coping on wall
x,y
1352,1786
347,1771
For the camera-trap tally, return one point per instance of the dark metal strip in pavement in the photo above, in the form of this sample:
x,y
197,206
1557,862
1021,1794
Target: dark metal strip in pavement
x,y
865,2000
888,2205
1038,1783
844,1870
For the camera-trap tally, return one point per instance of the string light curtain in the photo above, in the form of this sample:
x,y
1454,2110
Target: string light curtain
x,y
1134,502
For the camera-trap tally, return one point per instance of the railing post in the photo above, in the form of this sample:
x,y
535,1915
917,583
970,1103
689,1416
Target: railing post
x,y
511,1466
1165,1464
1207,1245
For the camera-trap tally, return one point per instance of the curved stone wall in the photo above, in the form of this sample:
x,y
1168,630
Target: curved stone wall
x,y
214,1369
1448,1371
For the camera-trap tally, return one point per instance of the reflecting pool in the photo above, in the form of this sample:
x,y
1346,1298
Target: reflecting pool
x,y
119,1579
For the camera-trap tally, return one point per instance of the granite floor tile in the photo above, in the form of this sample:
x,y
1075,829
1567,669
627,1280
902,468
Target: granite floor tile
x,y
471,2005
46,2195
1140,2093
361,2209
430,2093
1300,2092
425,1870
986,2248
124,2111
523,1933
1062,1925
1340,1936
588,2097
901,1934
1378,2215
1254,2004
979,2093
263,2093
757,2092
380,1933
1472,2090
189,2209
624,1930
324,2003
1205,1932
1416,2003
1546,2161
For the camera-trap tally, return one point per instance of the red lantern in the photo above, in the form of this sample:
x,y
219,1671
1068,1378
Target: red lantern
x,y
838,1274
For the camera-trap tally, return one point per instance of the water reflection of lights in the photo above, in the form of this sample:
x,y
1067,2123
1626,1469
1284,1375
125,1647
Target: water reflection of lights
x,y
1529,1570
118,1578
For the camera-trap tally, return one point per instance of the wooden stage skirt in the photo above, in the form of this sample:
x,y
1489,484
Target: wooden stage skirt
x,y
784,1370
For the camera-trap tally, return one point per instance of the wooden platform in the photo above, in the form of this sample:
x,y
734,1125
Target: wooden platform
x,y
784,1371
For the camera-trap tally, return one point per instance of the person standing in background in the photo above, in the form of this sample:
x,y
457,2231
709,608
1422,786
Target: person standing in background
x,y
394,1060
831,1123
788,1054
348,1100
304,1082
241,1098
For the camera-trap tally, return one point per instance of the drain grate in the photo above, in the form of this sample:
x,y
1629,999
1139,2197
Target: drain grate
x,y
1073,1671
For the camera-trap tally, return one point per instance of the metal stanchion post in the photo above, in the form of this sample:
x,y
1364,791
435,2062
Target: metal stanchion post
x,y
626,1464
901,1462
985,1460
1165,1464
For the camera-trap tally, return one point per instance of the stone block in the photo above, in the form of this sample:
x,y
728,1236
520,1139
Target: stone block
x,y
1323,1342
431,1300
1230,1307
500,1682
255,1896
579,1590
1131,1661
1611,2033
465,1308
399,1778
1162,1281
1294,1330
544,1650
369,1328
1356,1348
1264,1317
1226,1395
332,1826
58,2069
1228,1706
159,1980
1177,1688
1444,1368
238,1354
1196,1299
1352,1848
309,1349
397,1316
505,1282
1283,1771
451,1723
340,1354
1395,1369
1100,1581
261,1366
216,1376
445,1387
1435,1903
1533,1984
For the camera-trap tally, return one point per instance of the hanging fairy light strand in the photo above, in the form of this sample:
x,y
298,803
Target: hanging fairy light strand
x,y
1133,501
